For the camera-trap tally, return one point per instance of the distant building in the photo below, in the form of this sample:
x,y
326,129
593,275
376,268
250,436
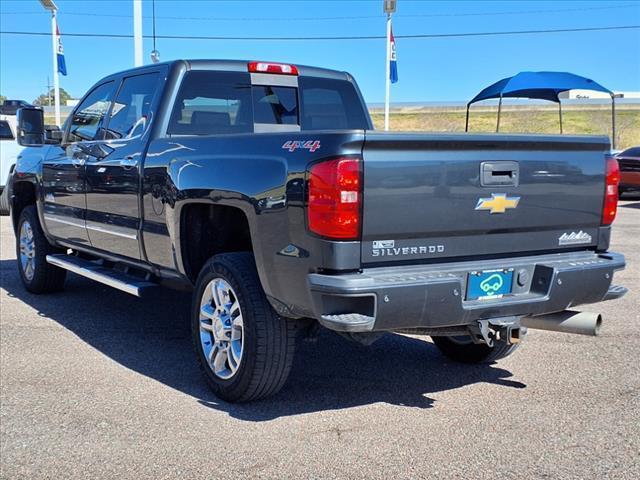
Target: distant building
x,y
72,102
591,95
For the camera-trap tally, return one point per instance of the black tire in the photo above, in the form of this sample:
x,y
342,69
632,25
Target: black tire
x,y
268,339
44,277
462,350
4,200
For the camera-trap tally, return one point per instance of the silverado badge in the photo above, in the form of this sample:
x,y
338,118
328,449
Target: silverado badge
x,y
498,203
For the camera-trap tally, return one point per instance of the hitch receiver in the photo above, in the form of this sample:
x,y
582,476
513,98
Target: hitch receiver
x,y
507,329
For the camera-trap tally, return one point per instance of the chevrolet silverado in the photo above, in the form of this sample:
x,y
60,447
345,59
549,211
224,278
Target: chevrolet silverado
x,y
264,188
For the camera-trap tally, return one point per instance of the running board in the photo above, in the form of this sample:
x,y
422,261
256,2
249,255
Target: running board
x,y
104,275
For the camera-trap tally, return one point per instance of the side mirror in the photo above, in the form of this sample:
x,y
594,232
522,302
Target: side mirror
x,y
52,135
30,129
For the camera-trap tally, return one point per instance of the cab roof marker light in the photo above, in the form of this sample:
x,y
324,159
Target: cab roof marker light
x,y
270,67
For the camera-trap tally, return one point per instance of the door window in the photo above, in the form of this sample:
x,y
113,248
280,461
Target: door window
x,y
87,118
130,112
211,103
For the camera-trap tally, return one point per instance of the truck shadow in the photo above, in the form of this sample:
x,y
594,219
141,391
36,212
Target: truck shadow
x,y
151,336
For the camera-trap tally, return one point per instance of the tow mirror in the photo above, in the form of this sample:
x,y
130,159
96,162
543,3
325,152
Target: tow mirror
x,y
30,129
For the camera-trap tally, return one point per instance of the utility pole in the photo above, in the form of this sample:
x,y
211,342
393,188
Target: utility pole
x,y
389,8
137,32
51,6
48,91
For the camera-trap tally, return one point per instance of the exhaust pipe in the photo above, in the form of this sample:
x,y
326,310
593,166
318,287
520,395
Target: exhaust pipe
x,y
567,321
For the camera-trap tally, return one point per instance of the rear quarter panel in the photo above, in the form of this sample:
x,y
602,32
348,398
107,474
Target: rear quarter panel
x,y
254,173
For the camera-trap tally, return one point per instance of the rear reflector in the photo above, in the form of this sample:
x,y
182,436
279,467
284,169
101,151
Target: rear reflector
x,y
269,67
612,180
335,198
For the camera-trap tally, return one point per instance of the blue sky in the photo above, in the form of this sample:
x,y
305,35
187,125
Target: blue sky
x,y
429,69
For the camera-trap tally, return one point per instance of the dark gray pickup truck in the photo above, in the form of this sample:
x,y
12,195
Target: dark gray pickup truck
x,y
264,187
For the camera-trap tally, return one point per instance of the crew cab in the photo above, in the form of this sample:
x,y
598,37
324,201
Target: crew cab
x,y
265,189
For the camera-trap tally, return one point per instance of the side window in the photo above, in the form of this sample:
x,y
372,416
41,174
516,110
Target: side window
x,y
5,131
131,107
277,105
87,118
210,103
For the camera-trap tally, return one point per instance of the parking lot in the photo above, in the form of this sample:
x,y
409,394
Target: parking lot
x,y
98,384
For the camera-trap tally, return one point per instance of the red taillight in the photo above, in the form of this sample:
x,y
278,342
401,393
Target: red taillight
x,y
270,67
612,180
335,198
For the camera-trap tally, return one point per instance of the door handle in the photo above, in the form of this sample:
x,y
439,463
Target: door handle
x,y
501,173
128,162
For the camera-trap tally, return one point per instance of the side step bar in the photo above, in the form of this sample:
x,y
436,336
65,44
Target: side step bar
x,y
99,273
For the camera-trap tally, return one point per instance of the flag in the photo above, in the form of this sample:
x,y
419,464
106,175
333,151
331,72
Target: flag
x,y
393,70
62,66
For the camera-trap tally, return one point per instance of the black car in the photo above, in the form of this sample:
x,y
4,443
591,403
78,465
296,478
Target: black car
x,y
10,107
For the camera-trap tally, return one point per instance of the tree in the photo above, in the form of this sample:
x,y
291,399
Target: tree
x,y
43,99
2,98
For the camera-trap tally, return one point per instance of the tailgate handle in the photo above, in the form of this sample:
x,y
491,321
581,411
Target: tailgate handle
x,y
504,173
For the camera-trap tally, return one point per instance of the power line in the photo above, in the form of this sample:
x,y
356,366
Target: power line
x,y
357,17
361,37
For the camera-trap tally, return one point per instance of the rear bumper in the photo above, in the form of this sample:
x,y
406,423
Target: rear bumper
x,y
433,296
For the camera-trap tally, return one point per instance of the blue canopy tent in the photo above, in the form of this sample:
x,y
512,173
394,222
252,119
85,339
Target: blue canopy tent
x,y
539,85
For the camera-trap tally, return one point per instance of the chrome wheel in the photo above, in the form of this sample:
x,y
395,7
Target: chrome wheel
x,y
27,250
221,328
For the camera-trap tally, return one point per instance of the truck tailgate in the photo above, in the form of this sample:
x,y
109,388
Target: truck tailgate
x,y
459,195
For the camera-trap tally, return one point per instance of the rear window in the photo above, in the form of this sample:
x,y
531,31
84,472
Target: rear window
x,y
275,105
631,152
330,104
210,103
5,131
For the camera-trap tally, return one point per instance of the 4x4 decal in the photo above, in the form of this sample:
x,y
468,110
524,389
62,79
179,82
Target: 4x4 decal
x,y
293,145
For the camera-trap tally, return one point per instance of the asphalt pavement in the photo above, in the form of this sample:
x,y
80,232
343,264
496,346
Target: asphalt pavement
x,y
95,383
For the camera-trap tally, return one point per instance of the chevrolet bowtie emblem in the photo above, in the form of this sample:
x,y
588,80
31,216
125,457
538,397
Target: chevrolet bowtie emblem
x,y
498,203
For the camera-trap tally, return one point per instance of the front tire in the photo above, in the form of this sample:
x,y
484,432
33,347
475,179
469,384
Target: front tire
x,y
32,248
462,349
244,347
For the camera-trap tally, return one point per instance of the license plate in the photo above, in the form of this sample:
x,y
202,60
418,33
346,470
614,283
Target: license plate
x,y
489,284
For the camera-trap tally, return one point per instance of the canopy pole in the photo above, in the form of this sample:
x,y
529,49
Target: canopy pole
x,y
560,112
466,126
613,122
499,109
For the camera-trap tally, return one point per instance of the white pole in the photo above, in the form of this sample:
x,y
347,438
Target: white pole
x,y
388,69
137,32
56,82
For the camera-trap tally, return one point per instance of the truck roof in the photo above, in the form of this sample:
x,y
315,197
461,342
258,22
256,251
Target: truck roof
x,y
241,66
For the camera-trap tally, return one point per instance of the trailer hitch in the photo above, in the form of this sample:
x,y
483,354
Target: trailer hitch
x,y
506,329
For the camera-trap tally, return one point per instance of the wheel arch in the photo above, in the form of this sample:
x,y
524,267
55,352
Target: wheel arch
x,y
23,194
206,229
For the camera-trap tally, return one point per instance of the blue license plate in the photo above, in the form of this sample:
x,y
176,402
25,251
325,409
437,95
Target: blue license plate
x,y
489,284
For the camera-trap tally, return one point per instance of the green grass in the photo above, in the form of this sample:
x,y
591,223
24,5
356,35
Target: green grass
x,y
575,121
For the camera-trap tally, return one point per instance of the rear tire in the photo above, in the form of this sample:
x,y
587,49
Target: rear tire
x,y
462,349
243,346
32,248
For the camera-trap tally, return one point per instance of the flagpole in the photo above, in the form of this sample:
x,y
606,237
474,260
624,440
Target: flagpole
x,y
56,80
388,75
137,33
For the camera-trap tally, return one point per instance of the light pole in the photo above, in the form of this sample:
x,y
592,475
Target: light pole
x,y
389,8
51,6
